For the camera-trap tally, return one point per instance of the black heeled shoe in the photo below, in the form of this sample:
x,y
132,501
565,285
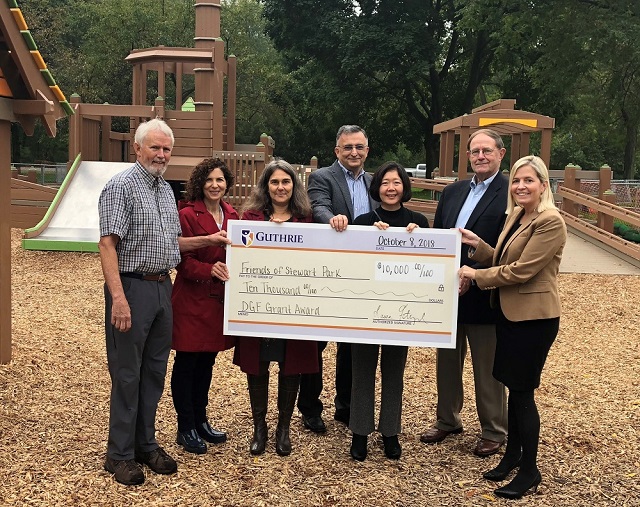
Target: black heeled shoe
x,y
209,434
518,487
500,472
359,447
392,449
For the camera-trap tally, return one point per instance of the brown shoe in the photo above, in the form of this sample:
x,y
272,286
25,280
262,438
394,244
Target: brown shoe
x,y
125,471
486,447
158,461
434,435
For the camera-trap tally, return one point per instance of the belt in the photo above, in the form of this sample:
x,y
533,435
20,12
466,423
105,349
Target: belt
x,y
150,277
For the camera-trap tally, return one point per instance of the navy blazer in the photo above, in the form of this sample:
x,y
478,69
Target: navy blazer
x,y
487,221
330,196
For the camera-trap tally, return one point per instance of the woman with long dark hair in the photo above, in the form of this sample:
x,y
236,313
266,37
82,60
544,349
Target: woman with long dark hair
x,y
278,197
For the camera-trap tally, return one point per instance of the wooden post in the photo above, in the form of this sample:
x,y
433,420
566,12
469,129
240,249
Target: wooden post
x,y
106,139
217,91
605,221
232,83
524,144
515,149
545,146
159,108
179,76
5,242
463,161
75,123
162,79
605,181
450,147
445,139
570,182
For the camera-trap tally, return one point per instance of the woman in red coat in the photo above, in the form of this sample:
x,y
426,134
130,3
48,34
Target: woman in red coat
x,y
197,300
278,197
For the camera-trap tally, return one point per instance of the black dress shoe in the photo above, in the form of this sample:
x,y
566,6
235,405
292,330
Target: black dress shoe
x,y
519,486
191,442
392,447
212,436
359,447
314,423
342,416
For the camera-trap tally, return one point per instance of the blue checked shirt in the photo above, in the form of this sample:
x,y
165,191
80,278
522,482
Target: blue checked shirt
x,y
141,210
359,192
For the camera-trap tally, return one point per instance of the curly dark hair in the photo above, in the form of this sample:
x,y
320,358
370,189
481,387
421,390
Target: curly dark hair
x,y
195,185
374,189
260,200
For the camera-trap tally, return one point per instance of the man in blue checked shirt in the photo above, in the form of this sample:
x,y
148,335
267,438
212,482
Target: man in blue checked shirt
x,y
140,242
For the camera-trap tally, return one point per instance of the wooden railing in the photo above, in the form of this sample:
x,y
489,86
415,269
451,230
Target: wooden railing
x,y
606,210
427,206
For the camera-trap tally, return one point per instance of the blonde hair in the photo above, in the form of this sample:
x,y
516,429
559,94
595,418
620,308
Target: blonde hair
x,y
538,165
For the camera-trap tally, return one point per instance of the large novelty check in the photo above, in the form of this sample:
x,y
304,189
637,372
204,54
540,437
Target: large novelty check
x,y
363,285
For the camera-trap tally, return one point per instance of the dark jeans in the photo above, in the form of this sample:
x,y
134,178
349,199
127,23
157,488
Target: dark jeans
x,y
309,402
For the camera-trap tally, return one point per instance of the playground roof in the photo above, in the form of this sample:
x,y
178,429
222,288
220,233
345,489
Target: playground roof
x,y
168,57
27,88
499,116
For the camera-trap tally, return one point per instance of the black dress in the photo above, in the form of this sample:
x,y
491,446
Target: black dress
x,y
522,347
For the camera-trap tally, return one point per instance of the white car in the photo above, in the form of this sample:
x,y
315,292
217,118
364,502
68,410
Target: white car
x,y
420,171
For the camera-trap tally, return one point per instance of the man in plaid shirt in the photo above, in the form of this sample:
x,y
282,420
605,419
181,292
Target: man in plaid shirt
x,y
140,242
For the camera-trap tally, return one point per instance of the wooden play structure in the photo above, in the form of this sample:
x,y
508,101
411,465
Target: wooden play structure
x,y
501,116
27,92
207,131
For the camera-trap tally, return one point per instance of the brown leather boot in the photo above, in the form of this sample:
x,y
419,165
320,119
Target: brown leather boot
x,y
287,393
258,396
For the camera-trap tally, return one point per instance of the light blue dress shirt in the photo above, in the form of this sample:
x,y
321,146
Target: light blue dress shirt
x,y
358,190
476,193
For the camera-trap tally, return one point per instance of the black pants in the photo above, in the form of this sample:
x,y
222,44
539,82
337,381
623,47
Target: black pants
x,y
190,383
309,402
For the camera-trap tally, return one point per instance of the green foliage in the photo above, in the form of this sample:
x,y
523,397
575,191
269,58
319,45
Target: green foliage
x,y
626,232
397,68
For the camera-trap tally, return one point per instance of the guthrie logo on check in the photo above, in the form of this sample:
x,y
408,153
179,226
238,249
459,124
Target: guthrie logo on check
x,y
248,237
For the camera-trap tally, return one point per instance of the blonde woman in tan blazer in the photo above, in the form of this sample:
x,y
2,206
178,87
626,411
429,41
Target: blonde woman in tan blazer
x,y
522,277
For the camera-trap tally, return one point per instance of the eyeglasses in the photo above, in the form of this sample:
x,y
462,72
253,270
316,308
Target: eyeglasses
x,y
348,148
485,151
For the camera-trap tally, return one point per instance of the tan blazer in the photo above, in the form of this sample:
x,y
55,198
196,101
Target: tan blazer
x,y
527,269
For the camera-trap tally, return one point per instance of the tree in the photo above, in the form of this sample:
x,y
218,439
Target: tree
x,y
578,61
422,60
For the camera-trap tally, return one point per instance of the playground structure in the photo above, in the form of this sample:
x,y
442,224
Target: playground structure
x,y
96,152
206,131
27,92
501,116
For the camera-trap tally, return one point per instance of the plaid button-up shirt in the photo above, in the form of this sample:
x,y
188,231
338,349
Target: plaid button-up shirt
x,y
141,210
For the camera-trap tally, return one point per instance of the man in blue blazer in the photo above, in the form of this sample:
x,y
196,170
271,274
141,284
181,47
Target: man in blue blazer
x,y
478,204
338,193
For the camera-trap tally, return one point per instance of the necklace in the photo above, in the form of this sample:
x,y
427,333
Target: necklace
x,y
280,217
217,214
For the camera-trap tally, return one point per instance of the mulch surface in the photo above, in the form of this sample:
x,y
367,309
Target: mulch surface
x,y
54,407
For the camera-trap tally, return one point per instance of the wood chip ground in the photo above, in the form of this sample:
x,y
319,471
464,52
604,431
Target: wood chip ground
x,y
54,404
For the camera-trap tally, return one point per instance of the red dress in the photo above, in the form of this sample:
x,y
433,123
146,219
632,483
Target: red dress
x,y
198,299
301,356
